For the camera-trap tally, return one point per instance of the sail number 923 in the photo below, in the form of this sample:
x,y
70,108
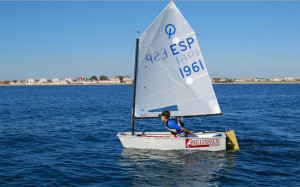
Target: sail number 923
x,y
187,70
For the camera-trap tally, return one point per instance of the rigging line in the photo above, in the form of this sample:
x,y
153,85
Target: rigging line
x,y
141,122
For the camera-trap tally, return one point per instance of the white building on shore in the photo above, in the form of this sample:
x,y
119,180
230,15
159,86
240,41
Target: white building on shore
x,y
55,80
127,80
276,79
103,81
43,81
114,80
30,81
90,82
289,79
70,80
58,81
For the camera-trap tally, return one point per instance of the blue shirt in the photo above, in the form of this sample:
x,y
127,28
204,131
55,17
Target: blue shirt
x,y
173,125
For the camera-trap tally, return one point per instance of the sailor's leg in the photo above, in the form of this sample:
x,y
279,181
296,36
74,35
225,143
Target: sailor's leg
x,y
183,134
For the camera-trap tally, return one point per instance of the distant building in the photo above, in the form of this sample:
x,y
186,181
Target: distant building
x,y
80,79
4,82
90,82
70,80
43,80
289,79
259,80
20,82
30,81
55,80
242,80
127,79
114,80
104,81
223,80
276,79
63,82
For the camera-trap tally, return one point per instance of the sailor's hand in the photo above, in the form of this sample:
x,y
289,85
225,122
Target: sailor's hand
x,y
191,132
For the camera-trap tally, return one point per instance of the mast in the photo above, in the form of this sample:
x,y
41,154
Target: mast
x,y
134,86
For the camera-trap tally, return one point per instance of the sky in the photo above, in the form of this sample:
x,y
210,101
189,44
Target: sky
x,y
248,39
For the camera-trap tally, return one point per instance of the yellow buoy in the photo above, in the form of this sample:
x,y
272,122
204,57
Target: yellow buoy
x,y
231,141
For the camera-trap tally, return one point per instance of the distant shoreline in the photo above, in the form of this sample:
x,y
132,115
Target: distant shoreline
x,y
118,84
110,84
280,82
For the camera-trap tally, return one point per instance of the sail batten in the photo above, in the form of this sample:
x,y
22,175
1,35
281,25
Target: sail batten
x,y
171,72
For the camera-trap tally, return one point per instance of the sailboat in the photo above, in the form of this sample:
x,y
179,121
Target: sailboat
x,y
170,74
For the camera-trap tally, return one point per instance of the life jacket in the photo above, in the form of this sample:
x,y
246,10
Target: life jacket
x,y
179,123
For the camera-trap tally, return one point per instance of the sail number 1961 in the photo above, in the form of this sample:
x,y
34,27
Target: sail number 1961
x,y
187,70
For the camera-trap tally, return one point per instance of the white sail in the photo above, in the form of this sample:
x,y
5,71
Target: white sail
x,y
171,73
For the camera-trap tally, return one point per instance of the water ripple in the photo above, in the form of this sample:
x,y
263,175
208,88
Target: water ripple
x,y
66,136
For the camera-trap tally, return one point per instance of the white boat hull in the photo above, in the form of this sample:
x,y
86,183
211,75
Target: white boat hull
x,y
209,141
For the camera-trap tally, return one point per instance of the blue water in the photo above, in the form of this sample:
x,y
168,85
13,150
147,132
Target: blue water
x,y
66,136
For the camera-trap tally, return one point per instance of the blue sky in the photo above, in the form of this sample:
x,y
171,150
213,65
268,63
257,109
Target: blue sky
x,y
72,39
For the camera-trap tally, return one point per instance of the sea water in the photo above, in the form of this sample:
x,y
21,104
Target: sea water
x,y
66,136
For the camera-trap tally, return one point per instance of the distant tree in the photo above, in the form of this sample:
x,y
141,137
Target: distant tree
x,y
93,78
103,78
217,80
229,80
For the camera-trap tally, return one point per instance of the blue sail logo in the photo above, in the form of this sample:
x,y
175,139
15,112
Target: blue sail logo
x,y
170,29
